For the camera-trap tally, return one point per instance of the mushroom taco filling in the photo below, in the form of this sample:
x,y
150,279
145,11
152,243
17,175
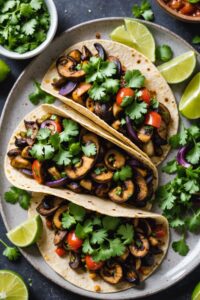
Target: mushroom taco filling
x,y
118,95
119,251
59,153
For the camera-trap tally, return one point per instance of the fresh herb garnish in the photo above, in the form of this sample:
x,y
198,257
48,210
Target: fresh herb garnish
x,y
99,170
196,39
164,53
144,10
181,247
134,79
89,149
15,195
40,96
136,110
12,253
124,174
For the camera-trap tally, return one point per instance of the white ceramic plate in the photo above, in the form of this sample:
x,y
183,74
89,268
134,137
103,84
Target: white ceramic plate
x,y
174,267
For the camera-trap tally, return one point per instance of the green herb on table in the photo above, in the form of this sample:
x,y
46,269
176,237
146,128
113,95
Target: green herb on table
x,y
194,1
40,96
15,195
196,40
23,26
4,70
143,11
12,253
164,53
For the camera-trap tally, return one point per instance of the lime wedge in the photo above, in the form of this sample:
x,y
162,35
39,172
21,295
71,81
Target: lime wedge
x,y
4,70
196,292
27,233
189,105
12,286
135,35
179,68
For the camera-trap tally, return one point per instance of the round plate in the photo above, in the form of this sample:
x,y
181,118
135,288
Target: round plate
x,y
17,106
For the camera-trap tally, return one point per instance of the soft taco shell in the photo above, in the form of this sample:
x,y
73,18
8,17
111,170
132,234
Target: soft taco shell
x,y
81,278
21,181
131,59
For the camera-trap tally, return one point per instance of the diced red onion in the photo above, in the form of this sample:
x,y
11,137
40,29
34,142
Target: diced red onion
x,y
56,183
27,172
68,88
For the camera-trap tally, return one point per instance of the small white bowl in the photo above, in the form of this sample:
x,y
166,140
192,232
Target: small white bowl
x,y
50,35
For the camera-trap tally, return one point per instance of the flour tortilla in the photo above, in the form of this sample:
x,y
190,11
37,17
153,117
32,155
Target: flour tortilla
x,y
21,181
131,59
81,278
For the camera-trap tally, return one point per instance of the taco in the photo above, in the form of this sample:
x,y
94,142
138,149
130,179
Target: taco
x,y
59,152
96,251
120,90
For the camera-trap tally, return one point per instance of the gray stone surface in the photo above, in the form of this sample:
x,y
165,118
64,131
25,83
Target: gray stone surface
x,y
72,13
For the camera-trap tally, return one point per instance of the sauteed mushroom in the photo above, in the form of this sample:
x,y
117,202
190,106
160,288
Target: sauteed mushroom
x,y
143,188
164,112
121,194
21,142
75,187
77,172
91,138
162,132
114,159
90,104
14,152
148,148
116,109
25,152
102,189
58,215
140,247
117,62
86,184
101,51
131,275
75,54
66,67
49,205
86,53
19,162
59,237
75,260
103,111
145,134
32,128
104,175
80,91
112,272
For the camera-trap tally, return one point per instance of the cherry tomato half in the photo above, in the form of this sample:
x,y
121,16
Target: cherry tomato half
x,y
187,9
37,171
145,95
153,119
124,92
91,264
73,241
160,232
60,251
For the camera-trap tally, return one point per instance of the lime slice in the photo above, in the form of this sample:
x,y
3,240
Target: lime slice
x,y
189,105
27,233
179,68
4,70
135,35
196,292
12,286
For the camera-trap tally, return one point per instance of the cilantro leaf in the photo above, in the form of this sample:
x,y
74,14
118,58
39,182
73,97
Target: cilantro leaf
x,y
177,223
75,148
71,129
181,247
117,247
136,110
86,247
98,92
193,222
8,5
193,156
144,10
171,167
12,253
25,9
191,186
124,174
39,95
82,231
148,15
127,233
36,4
54,140
134,79
110,223
43,134
77,211
15,195
63,157
99,236
89,149
42,152
111,85
29,27
108,69
127,100
67,220
164,53
104,253
196,39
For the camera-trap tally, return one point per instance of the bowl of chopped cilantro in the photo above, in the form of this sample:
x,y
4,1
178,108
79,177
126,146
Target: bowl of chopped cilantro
x,y
26,27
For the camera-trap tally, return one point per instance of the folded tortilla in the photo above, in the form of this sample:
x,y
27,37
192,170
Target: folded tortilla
x,y
131,59
21,181
82,278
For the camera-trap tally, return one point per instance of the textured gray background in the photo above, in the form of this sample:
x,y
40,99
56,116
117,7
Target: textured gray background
x,y
72,13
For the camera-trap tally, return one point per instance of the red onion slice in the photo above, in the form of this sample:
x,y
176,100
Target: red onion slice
x,y
56,183
181,157
68,88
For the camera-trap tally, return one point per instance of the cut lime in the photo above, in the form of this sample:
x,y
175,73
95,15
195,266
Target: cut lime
x,y
179,68
4,70
136,35
27,233
189,105
196,292
12,286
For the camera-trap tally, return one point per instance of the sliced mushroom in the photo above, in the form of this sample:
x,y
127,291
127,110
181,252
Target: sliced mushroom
x,y
103,175
58,82
124,256
75,187
91,138
112,273
86,53
14,152
19,162
53,171
116,125
102,190
116,110
114,160
153,241
163,131
131,275
25,152
121,194
59,237
66,67
103,111
90,104
80,91
148,148
21,142
58,215
86,184
75,260
145,134
32,129
101,51
117,62
140,247
49,205
142,172
82,169
142,188
144,227
164,112
76,55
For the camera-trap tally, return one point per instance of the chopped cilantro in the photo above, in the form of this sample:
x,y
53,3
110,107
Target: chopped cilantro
x,y
136,110
43,134
127,233
67,220
89,149
75,148
181,247
42,151
134,79
127,100
12,253
99,170
63,157
15,195
144,10
40,96
164,53
124,174
99,236
196,40
71,129
110,223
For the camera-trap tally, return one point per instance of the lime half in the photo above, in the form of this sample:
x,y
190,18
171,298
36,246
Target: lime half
x,y
189,105
196,292
4,70
27,233
179,68
135,35
12,286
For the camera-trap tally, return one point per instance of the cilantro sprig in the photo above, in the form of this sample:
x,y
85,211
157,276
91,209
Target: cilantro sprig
x,y
16,195
143,11
12,253
40,96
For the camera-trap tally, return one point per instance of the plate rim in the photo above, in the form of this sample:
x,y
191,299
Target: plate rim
x,y
84,292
